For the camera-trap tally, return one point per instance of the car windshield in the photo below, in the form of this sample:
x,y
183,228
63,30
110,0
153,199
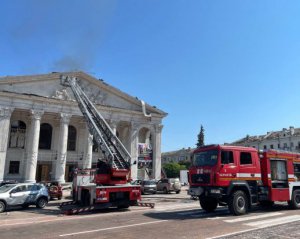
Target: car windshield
x,y
205,158
149,183
6,188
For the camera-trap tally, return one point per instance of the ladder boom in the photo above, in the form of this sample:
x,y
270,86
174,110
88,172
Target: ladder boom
x,y
107,141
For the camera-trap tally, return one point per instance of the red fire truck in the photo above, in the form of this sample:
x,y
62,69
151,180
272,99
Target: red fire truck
x,y
240,177
108,185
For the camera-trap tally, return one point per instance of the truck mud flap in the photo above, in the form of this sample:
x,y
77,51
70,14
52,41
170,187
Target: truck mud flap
x,y
71,209
64,204
145,204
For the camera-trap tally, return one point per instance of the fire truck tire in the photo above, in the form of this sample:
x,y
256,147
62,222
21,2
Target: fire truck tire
x,y
238,203
295,202
208,204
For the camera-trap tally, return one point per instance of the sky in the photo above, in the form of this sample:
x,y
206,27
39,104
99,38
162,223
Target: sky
x,y
231,66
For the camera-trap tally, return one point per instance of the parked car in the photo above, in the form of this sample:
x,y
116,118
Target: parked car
x,y
55,190
23,194
136,182
169,185
148,186
8,182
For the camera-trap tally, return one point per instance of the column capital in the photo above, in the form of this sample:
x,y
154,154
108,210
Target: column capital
x,y
65,118
114,123
5,112
158,128
135,125
36,114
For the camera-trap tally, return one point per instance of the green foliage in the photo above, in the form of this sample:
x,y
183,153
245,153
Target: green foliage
x,y
173,169
200,137
185,163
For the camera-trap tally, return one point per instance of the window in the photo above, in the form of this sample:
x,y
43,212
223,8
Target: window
x,y
292,144
279,146
17,134
226,157
265,146
271,146
71,138
285,145
14,167
45,136
245,158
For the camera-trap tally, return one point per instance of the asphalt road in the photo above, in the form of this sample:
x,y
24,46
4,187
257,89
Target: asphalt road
x,y
174,216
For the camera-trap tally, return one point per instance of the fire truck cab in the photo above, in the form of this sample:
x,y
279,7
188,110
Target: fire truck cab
x,y
241,177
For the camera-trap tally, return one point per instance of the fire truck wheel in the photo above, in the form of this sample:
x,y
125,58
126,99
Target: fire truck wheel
x,y
208,204
238,203
295,202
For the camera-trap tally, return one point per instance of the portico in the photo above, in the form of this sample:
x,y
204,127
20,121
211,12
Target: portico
x,y
44,135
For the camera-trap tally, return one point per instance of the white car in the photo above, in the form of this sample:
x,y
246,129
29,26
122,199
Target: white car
x,y
23,194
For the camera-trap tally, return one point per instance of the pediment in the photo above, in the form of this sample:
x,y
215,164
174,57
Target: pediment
x,y
49,86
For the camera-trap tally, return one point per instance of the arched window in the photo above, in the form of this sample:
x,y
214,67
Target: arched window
x,y
72,138
17,134
45,136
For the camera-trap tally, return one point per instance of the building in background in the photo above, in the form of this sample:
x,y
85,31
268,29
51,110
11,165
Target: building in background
x,y
44,135
177,156
286,139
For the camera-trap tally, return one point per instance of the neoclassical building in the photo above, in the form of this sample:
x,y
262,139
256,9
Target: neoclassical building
x,y
44,135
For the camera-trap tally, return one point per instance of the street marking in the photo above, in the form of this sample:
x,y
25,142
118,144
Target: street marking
x,y
111,228
232,234
274,222
241,219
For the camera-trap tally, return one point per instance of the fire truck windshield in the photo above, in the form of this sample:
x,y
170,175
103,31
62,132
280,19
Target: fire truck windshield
x,y
205,158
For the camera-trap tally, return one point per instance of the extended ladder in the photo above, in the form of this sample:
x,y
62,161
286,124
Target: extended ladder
x,y
107,141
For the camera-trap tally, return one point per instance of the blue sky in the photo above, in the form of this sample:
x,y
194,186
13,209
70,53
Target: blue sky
x,y
232,66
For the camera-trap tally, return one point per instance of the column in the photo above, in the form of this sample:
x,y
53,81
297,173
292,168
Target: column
x,y
62,148
5,113
113,125
33,147
134,137
157,152
88,151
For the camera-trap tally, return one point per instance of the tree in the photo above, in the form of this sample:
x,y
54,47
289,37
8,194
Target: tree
x,y
173,169
200,137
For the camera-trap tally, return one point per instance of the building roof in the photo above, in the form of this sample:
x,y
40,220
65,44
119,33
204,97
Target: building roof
x,y
48,85
269,136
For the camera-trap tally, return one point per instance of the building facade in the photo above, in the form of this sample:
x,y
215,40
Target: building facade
x,y
287,139
45,137
177,156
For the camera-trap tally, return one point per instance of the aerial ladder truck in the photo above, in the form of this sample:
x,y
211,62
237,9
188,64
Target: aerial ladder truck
x,y
108,184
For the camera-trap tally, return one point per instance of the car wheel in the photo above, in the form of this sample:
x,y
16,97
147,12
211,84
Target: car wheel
x,y
2,206
41,202
59,198
165,190
177,192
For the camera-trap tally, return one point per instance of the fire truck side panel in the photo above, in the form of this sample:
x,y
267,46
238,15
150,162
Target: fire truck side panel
x,y
279,194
